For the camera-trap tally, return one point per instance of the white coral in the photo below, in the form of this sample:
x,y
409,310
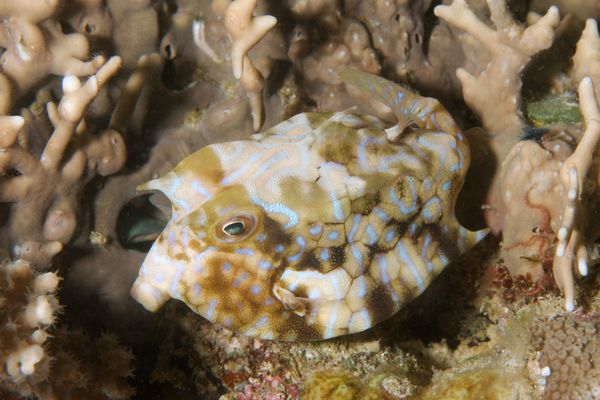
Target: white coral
x,y
31,307
23,361
571,251
586,60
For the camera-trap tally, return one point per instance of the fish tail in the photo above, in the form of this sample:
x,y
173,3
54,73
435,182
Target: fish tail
x,y
408,106
468,238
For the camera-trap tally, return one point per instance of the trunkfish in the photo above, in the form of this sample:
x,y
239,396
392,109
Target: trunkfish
x,y
321,226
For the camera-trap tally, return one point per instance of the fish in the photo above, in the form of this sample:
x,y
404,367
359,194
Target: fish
x,y
323,225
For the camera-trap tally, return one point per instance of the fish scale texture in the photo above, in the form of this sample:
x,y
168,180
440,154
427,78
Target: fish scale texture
x,y
321,226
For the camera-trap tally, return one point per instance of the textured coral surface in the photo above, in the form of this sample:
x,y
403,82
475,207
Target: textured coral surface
x,y
570,357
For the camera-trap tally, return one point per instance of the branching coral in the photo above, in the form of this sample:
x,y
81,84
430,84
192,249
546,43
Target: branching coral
x,y
511,47
44,191
581,8
586,61
246,31
558,184
571,250
35,47
539,193
546,195
528,180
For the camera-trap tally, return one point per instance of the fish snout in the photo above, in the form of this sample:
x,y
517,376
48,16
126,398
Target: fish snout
x,y
148,295
151,288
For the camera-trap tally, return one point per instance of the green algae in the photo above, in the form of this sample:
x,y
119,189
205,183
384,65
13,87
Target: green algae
x,y
553,109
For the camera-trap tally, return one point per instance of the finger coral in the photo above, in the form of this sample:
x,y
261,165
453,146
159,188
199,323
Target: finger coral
x,y
570,250
538,195
586,60
35,47
44,191
511,47
246,31
549,181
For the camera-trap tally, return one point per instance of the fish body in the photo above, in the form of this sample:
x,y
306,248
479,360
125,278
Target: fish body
x,y
321,226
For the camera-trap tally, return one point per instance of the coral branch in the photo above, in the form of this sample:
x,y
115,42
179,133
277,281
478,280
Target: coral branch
x,y
45,190
35,47
71,109
9,127
511,47
147,64
586,61
198,28
246,31
570,249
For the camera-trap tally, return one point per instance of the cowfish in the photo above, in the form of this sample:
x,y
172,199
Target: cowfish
x,y
321,226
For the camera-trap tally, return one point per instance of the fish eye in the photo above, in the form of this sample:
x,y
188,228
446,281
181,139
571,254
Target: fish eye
x,y
234,228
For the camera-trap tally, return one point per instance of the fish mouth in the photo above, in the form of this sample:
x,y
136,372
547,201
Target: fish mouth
x,y
162,273
150,288
154,284
148,295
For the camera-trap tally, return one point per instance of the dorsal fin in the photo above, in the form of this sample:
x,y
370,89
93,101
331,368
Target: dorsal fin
x,y
408,106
